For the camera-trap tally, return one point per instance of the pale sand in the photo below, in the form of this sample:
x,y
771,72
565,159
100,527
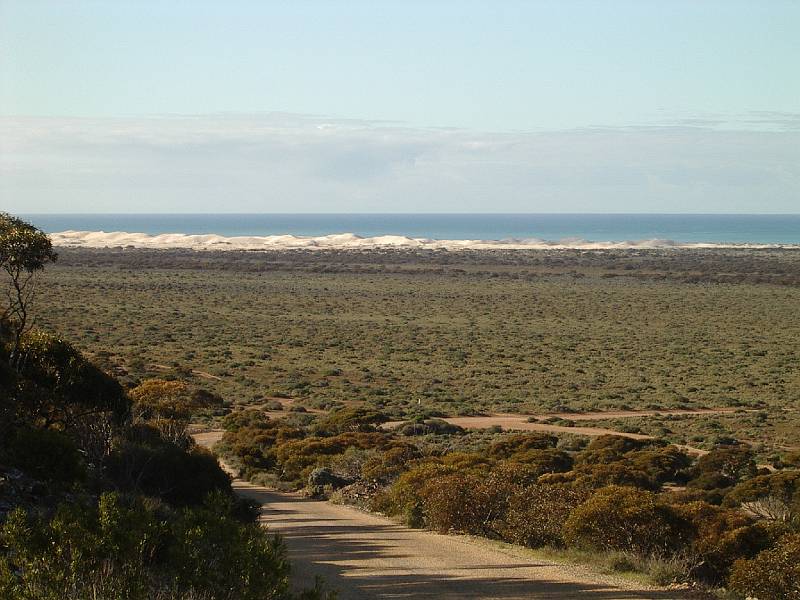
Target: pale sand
x,y
347,241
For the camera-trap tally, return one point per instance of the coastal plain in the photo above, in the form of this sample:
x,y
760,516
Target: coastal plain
x,y
553,334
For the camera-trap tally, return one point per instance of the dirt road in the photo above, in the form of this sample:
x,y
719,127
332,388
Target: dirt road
x,y
368,557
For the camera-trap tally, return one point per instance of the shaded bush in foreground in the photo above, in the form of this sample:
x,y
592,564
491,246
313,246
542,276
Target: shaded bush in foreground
x,y
773,574
127,549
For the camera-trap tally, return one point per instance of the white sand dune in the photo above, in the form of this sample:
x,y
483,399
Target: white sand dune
x,y
344,241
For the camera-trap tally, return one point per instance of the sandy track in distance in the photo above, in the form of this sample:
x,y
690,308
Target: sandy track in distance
x,y
631,414
514,422
368,557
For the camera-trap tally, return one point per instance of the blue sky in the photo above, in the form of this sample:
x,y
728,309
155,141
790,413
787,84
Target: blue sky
x,y
561,106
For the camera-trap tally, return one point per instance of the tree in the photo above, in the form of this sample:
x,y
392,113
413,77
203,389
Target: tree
x,y
24,251
58,387
169,406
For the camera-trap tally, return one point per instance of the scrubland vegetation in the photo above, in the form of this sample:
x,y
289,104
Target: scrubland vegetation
x,y
304,357
716,520
103,494
451,333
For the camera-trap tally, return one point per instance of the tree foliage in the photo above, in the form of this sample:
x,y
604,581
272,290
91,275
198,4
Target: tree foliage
x,y
168,406
58,386
24,250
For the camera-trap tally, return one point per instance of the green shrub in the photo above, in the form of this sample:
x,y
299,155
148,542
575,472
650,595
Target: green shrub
x,y
536,514
406,495
214,553
58,385
547,460
609,448
773,574
775,497
386,466
662,464
467,503
625,518
720,536
46,454
429,426
298,457
252,438
725,465
168,406
244,418
121,549
614,473
152,466
511,445
350,419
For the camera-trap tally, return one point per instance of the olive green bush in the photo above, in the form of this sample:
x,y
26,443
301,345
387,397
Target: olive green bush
x,y
537,513
625,518
724,466
144,463
775,497
774,574
719,536
57,385
47,454
124,548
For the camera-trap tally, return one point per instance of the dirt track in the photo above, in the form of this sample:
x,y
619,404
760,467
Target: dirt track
x,y
368,557
515,422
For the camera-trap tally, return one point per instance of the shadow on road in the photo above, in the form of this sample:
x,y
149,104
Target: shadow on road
x,y
366,557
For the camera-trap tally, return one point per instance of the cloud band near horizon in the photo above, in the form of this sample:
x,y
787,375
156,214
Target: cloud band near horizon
x,y
298,163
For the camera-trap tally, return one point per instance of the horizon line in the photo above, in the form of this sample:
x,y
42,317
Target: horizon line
x,y
231,213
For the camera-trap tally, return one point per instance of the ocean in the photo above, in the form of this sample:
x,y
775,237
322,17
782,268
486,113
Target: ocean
x,y
681,228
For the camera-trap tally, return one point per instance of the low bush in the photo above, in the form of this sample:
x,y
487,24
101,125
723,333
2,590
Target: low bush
x,y
350,419
298,457
122,548
511,445
467,503
428,426
536,514
775,497
150,465
718,537
625,518
47,454
386,466
405,497
773,574
724,466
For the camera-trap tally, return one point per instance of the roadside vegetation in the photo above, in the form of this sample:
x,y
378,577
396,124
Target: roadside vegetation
x,y
643,506
103,494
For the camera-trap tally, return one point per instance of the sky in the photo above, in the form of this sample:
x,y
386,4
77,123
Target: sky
x,y
434,106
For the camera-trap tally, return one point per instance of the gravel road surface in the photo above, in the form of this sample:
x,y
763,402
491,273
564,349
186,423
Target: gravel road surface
x,y
368,557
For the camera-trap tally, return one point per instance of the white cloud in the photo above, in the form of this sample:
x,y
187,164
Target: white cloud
x,y
299,163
